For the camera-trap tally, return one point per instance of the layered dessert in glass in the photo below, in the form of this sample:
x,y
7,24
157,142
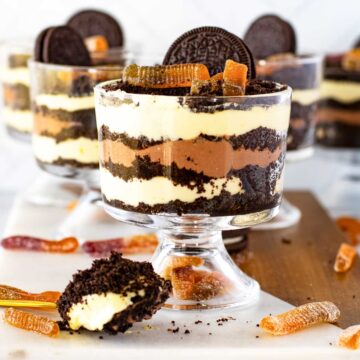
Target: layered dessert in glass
x,y
180,154
15,78
303,74
273,42
339,113
192,161
65,135
193,149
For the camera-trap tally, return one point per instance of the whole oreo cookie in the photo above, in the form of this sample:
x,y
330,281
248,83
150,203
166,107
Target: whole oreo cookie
x,y
93,22
39,45
269,35
211,46
61,45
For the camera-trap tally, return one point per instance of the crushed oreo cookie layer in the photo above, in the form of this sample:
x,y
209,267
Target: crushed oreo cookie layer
x,y
254,87
120,276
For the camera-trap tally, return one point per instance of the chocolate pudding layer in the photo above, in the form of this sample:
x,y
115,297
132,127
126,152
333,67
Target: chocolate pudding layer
x,y
191,155
339,109
16,96
303,75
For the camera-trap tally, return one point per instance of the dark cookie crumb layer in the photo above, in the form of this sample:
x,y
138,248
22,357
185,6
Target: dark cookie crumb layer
x,y
339,135
260,138
258,184
70,163
223,205
301,135
144,169
85,117
254,87
119,276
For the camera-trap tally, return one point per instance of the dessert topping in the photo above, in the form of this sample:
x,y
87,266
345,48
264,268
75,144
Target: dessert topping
x,y
138,244
162,77
351,60
12,293
344,258
210,46
19,242
351,227
300,318
350,337
31,322
235,78
96,43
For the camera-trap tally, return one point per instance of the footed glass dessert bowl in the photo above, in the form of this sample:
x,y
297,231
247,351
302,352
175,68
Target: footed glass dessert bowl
x,y
193,166
15,81
65,139
303,73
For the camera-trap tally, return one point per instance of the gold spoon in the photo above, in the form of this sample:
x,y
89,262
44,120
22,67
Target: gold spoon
x,y
28,304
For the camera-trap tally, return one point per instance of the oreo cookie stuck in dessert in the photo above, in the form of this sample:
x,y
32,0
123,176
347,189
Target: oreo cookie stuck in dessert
x,y
90,23
211,46
269,35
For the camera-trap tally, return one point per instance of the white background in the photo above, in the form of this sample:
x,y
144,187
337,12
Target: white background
x,y
152,25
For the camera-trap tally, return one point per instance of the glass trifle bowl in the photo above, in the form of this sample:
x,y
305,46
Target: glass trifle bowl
x,y
15,79
303,73
65,139
192,166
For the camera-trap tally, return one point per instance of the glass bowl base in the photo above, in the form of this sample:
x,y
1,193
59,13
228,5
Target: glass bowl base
x,y
301,154
18,135
202,274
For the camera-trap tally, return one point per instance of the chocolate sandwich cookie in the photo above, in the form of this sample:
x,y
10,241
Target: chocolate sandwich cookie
x,y
61,45
211,46
269,35
357,44
93,22
112,295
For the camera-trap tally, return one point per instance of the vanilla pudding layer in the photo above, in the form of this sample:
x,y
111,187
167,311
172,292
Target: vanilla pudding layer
x,y
339,114
16,99
81,152
160,156
65,130
305,97
20,120
173,121
17,75
346,92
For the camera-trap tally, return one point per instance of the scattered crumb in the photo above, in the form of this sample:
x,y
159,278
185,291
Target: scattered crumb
x,y
286,241
173,322
220,324
210,333
257,336
257,325
101,337
208,324
330,343
198,322
148,327
71,333
354,296
187,331
174,331
308,298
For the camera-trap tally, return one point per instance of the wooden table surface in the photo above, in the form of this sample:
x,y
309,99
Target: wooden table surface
x,y
296,264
